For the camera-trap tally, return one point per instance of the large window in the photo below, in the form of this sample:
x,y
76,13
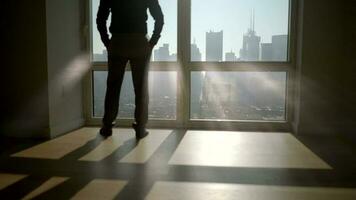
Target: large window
x,y
217,60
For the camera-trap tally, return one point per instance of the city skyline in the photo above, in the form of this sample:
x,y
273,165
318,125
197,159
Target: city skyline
x,y
214,95
252,50
274,51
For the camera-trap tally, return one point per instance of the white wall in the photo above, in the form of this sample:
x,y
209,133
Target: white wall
x,y
43,67
67,64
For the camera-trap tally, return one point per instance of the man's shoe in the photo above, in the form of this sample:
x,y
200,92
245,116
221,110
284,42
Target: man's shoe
x,y
141,132
105,132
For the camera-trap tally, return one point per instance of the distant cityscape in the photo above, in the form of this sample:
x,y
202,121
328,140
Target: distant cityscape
x,y
214,95
238,95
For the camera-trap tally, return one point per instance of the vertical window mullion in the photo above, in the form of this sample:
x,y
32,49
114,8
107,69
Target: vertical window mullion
x,y
183,62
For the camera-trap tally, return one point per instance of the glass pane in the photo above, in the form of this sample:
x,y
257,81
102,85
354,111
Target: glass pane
x,y
239,30
162,91
238,95
166,48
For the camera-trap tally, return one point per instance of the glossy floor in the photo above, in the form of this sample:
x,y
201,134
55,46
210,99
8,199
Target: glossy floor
x,y
211,191
243,149
179,164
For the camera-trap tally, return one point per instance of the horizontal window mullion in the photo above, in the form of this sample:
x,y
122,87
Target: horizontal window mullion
x,y
264,126
246,67
236,64
153,66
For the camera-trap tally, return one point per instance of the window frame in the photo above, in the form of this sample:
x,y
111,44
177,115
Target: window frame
x,y
183,66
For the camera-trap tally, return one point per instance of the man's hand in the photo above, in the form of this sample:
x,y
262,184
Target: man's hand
x,y
151,46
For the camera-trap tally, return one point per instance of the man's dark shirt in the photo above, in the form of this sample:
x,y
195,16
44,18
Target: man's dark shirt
x,y
129,16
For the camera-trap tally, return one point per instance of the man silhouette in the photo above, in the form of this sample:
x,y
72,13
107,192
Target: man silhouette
x,y
128,43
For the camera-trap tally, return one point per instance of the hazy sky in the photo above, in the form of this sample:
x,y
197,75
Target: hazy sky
x,y
231,16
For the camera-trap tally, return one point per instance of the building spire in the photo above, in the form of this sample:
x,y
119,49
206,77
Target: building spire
x,y
253,20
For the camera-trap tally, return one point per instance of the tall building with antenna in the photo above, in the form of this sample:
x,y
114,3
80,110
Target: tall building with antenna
x,y
251,43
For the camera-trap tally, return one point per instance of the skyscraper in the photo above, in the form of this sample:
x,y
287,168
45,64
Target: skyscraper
x,y
266,51
162,53
195,52
251,44
275,51
230,57
279,47
214,46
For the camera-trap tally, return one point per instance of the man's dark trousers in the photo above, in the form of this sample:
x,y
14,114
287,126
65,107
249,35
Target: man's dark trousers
x,y
124,48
